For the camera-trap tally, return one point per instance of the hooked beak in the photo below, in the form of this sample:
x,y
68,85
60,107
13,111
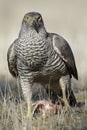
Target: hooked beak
x,y
36,25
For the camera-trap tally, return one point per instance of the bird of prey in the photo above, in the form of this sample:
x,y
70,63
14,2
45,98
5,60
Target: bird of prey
x,y
38,57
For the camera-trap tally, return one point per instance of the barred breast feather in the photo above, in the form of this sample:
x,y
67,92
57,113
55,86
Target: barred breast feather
x,y
32,51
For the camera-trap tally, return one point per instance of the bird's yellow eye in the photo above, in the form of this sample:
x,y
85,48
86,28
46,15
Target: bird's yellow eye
x,y
39,19
26,18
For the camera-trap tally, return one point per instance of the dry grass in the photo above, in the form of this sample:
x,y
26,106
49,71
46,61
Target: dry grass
x,y
13,112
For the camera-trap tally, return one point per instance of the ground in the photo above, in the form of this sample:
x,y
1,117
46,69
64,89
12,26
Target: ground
x,y
13,112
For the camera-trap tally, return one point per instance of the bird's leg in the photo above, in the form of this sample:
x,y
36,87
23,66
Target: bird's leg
x,y
65,99
29,113
65,86
26,88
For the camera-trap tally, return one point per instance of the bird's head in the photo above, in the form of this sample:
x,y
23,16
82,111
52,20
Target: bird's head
x,y
33,20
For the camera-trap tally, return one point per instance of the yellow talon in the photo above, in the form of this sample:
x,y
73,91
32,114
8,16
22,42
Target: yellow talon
x,y
66,107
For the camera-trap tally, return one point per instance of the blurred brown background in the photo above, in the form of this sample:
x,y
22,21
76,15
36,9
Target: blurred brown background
x,y
65,17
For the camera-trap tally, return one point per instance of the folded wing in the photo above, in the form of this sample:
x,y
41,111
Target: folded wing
x,y
61,46
12,61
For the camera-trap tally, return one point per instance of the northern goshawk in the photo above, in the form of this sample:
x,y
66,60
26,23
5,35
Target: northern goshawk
x,y
37,57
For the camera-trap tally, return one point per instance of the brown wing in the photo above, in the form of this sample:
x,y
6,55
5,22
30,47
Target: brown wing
x,y
12,62
63,49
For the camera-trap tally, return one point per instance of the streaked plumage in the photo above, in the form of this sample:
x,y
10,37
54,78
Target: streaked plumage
x,y
37,56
